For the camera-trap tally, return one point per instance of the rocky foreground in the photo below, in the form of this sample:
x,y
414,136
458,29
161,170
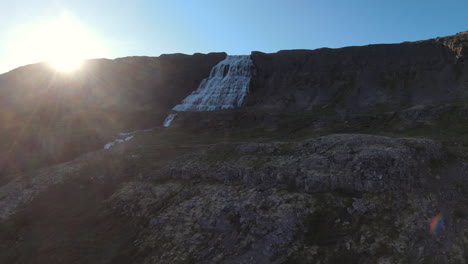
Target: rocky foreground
x,y
340,198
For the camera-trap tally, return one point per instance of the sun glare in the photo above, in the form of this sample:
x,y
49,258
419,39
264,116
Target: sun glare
x,y
66,64
62,42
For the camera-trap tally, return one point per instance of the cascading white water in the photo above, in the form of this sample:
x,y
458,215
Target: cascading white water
x,y
123,137
169,119
225,88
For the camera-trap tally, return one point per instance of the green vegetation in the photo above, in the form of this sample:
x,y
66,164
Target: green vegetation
x,y
449,127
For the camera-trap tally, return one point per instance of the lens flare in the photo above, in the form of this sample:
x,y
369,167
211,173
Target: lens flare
x,y
437,223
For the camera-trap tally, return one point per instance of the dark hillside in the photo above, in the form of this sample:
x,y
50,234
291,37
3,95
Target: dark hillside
x,y
362,78
50,117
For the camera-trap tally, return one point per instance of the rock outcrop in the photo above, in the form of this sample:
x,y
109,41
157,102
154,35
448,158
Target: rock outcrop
x,y
361,78
332,199
355,163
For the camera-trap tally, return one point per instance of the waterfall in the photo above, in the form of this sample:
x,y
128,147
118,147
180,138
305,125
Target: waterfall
x,y
225,88
123,137
110,144
169,119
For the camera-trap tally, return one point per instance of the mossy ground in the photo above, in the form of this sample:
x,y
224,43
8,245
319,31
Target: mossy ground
x,y
450,127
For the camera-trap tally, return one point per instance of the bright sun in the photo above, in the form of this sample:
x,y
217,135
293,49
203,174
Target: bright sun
x,y
66,64
63,43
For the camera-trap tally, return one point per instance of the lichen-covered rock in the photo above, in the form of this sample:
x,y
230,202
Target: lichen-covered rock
x,y
352,162
220,223
99,167
24,188
424,113
213,223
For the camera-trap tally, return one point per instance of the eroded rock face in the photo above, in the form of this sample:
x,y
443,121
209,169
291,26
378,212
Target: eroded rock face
x,y
349,162
200,222
359,78
211,223
423,113
22,188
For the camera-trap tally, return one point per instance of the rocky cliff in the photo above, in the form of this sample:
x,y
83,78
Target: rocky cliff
x,y
362,78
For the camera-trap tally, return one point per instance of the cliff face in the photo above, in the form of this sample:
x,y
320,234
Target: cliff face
x,y
360,78
49,117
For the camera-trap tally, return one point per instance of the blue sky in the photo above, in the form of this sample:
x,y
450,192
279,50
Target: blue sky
x,y
140,27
